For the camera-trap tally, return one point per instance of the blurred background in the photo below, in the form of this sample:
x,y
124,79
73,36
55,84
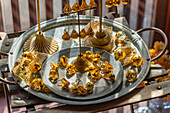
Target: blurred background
x,y
20,15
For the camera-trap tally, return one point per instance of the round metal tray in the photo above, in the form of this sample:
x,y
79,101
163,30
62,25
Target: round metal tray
x,y
101,87
54,28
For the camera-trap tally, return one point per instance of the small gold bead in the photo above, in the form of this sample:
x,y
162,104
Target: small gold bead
x,y
131,75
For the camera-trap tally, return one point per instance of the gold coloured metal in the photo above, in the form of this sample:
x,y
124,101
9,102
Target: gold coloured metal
x,y
67,8
89,86
116,2
101,39
83,34
74,34
74,90
54,66
109,3
92,3
131,75
96,62
120,44
38,85
82,90
125,2
105,43
107,67
90,32
110,76
53,76
76,7
98,56
66,36
81,64
45,89
71,69
77,82
40,43
79,32
63,61
16,63
88,55
120,54
91,69
136,60
129,50
22,70
35,67
95,74
28,55
65,84
120,37
84,5
100,27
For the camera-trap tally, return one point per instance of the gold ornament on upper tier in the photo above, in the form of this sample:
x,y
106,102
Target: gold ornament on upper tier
x,y
67,8
84,5
76,7
83,34
66,36
125,2
74,34
109,3
116,2
92,3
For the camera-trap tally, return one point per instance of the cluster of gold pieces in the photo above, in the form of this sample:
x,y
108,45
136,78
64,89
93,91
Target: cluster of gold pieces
x,y
110,3
164,61
76,8
126,54
28,63
97,70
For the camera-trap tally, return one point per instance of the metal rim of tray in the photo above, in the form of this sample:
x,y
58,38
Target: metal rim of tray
x,y
16,50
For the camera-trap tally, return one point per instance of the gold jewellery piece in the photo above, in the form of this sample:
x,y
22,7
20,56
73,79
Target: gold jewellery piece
x,y
76,7
110,3
131,75
67,8
64,83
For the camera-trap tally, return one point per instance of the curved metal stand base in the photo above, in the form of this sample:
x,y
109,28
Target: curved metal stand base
x,y
105,43
81,64
41,43
108,47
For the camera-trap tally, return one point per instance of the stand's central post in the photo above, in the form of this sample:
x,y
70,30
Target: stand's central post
x,y
100,16
79,32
